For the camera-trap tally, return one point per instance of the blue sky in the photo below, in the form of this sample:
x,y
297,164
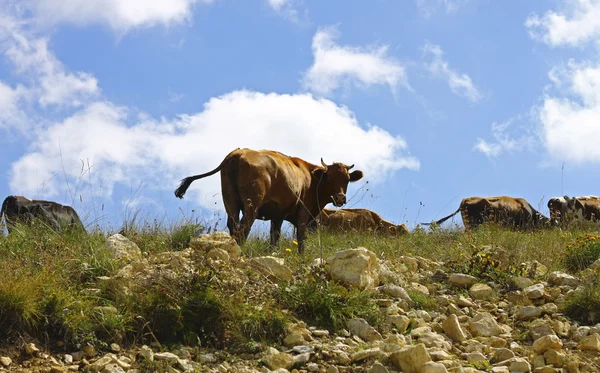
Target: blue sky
x,y
107,104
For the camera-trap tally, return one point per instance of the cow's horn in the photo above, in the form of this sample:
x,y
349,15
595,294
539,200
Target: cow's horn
x,y
323,163
350,167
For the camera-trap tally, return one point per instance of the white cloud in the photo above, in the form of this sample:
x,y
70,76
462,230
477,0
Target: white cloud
x,y
505,140
570,118
278,4
429,7
578,23
12,115
335,65
51,83
460,84
120,15
159,153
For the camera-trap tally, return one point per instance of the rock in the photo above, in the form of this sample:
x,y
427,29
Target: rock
x,y
99,364
465,302
362,329
275,360
519,365
115,347
549,308
217,240
540,328
547,342
332,369
453,329
356,267
302,359
218,254
502,354
462,280
168,356
528,313
400,322
420,288
535,291
377,367
519,282
112,368
431,339
365,354
500,370
410,358
481,291
431,367
271,267
555,358
5,361
146,353
294,339
121,248
31,349
590,343
562,279
484,325
396,292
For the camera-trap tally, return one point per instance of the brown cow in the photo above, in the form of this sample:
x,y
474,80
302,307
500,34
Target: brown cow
x,y
563,209
269,185
360,220
19,209
508,211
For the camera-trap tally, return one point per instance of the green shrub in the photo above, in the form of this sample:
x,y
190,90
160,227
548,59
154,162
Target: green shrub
x,y
584,251
584,305
328,304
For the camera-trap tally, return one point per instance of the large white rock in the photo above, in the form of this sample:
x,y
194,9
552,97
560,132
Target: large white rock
x,y
591,343
271,267
547,342
484,325
453,329
462,280
357,267
562,279
410,358
120,247
217,240
362,329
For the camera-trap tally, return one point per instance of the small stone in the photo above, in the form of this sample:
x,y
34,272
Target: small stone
x,y
5,361
528,313
377,367
519,365
453,329
68,359
481,291
462,280
431,367
302,359
590,343
562,279
276,360
115,348
535,291
410,358
485,325
89,351
361,328
365,354
146,353
294,339
547,342
31,349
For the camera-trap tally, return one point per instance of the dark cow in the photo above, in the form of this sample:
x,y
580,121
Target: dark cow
x,y
269,185
507,211
18,209
565,209
360,220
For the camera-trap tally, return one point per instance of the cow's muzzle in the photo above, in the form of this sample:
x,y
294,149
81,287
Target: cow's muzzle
x,y
339,199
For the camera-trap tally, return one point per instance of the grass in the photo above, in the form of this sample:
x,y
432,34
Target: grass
x,y
52,285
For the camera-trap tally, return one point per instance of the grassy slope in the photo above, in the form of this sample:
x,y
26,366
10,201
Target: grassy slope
x,y
45,280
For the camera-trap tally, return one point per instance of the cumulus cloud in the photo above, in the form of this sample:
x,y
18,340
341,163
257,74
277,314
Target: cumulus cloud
x,y
428,7
576,24
335,65
505,139
51,83
570,114
159,153
460,84
120,15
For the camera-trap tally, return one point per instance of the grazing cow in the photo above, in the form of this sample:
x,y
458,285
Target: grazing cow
x,y
269,185
360,220
508,211
18,209
564,209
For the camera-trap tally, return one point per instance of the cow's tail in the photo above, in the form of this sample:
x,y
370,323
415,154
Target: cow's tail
x,y
185,183
443,219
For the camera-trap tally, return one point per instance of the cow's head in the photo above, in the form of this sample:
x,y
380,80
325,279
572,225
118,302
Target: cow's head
x,y
333,180
558,208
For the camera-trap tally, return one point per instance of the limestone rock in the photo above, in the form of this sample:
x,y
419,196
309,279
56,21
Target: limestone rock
x,y
547,342
591,343
271,267
410,358
481,291
535,291
485,325
462,280
453,329
362,329
562,279
120,247
217,240
356,267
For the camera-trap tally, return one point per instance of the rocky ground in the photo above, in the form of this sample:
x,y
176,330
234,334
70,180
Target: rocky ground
x,y
474,326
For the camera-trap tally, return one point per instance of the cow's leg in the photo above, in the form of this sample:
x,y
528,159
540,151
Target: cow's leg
x,y
275,231
233,204
250,213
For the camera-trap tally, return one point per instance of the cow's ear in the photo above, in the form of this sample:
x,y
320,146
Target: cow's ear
x,y
356,175
320,173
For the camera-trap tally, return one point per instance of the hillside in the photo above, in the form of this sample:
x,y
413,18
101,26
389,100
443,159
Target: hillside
x,y
167,300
